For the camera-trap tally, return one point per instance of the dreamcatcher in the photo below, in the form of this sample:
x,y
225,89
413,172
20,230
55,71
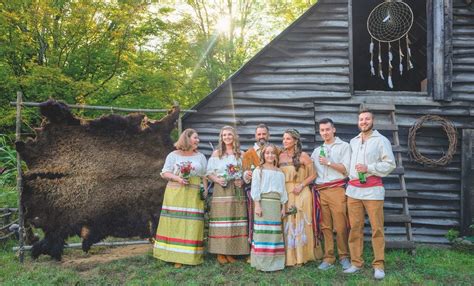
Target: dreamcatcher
x,y
389,22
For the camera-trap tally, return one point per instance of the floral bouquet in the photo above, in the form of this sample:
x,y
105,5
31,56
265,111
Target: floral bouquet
x,y
291,211
232,172
185,169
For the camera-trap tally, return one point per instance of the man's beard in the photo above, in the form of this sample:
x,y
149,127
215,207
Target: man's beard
x,y
368,129
261,142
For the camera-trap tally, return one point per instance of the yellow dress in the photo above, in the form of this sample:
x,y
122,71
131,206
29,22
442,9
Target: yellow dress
x,y
299,237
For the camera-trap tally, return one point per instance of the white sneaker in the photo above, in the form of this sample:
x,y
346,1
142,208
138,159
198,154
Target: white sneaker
x,y
351,270
345,263
379,274
325,266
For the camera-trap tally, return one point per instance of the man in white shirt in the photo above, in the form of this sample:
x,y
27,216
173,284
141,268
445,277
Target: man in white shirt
x,y
331,161
372,158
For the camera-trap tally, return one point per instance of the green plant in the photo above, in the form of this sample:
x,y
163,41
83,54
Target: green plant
x,y
452,234
7,161
8,195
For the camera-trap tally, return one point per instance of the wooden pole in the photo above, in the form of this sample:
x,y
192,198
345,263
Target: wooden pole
x,y
19,178
108,108
111,243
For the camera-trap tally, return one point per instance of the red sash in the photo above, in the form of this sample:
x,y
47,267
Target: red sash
x,y
372,181
333,184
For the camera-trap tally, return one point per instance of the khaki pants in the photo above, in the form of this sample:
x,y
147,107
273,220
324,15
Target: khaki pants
x,y
374,209
334,217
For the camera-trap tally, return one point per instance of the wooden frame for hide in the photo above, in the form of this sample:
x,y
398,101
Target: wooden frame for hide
x,y
19,182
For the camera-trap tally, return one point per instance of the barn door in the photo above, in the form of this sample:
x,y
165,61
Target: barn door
x,y
467,180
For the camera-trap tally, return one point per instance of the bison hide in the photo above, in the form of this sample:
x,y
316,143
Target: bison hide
x,y
94,178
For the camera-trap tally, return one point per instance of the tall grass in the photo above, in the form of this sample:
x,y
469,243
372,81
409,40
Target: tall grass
x,y
8,194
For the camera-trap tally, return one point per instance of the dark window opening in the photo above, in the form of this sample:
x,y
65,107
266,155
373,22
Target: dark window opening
x,y
410,80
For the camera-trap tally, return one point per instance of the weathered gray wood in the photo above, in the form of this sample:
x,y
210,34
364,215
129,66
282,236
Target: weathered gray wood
x,y
282,86
378,107
306,62
397,218
396,194
467,181
293,79
311,71
351,48
399,244
434,192
438,51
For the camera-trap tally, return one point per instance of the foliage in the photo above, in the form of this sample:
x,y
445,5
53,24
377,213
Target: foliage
x,y
8,195
430,266
130,53
452,234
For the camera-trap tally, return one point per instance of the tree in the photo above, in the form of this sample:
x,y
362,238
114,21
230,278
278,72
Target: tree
x,y
130,53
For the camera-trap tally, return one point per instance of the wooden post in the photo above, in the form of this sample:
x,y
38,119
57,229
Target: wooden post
x,y
19,178
180,124
467,180
180,121
438,51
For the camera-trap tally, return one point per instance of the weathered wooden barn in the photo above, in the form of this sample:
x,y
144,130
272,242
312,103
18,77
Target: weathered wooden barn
x,y
319,67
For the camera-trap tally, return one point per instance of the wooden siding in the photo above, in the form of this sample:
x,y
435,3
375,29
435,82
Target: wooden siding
x,y
304,75
309,60
463,52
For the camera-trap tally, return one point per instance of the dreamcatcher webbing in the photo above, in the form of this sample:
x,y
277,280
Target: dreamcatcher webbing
x,y
389,22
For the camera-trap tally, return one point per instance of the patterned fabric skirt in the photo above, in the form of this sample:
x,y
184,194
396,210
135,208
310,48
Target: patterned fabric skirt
x,y
180,233
268,247
228,221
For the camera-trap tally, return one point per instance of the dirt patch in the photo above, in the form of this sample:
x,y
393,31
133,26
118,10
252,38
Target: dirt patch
x,y
105,255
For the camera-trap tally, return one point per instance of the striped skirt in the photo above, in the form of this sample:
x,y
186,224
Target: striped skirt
x,y
180,233
268,246
228,233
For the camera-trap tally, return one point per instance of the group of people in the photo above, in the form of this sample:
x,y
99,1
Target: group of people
x,y
276,203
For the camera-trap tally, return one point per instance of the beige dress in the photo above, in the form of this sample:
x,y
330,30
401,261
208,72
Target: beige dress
x,y
298,228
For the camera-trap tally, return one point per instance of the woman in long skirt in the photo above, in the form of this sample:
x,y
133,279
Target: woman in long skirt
x,y
269,196
299,173
228,231
180,233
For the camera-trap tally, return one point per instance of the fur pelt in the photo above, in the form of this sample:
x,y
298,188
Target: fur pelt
x,y
101,175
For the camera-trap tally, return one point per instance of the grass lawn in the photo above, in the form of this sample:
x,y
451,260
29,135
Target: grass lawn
x,y
430,266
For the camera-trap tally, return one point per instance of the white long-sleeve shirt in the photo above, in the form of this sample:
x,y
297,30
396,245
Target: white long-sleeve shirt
x,y
338,152
376,152
267,182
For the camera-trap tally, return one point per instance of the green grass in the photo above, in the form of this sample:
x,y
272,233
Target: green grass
x,y
430,266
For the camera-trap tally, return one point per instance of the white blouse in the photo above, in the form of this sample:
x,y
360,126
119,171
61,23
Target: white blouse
x,y
270,181
218,166
198,161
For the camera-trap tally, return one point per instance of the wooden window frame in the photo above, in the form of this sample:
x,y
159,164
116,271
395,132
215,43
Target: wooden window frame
x,y
438,50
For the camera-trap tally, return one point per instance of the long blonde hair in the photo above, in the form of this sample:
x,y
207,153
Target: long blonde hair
x,y
235,144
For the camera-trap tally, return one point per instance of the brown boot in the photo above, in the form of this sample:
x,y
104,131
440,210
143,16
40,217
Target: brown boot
x,y
221,258
230,258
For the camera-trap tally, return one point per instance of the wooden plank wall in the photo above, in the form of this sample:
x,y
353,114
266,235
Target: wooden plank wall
x,y
467,184
303,76
434,193
463,52
278,86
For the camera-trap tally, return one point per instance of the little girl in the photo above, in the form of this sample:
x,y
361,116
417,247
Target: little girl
x,y
269,195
